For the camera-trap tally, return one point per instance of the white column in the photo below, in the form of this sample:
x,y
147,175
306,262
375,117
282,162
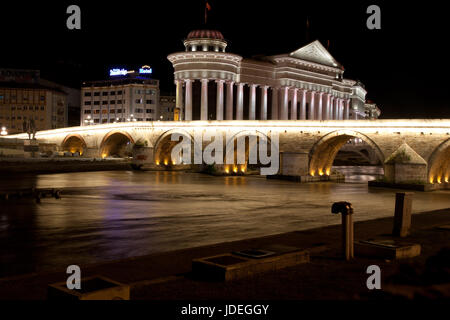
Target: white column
x,y
179,96
219,101
331,114
347,109
303,105
274,103
311,105
294,104
326,108
336,108
284,103
319,105
341,109
240,102
188,100
264,102
229,111
204,100
252,102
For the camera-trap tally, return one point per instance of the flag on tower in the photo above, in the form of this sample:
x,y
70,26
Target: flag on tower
x,y
207,8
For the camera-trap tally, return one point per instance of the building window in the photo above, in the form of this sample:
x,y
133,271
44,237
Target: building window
x,y
87,103
112,93
138,100
150,91
149,119
86,94
149,101
104,111
104,102
139,110
96,120
96,111
96,103
87,111
96,94
149,110
104,93
112,111
112,102
104,120
42,108
119,101
119,110
138,91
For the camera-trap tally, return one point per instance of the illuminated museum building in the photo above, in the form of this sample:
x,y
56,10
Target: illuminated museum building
x,y
127,96
308,83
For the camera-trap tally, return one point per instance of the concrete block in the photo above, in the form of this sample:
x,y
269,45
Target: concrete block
x,y
386,249
229,266
92,288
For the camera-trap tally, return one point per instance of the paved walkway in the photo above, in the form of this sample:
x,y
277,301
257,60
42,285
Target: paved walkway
x,y
166,276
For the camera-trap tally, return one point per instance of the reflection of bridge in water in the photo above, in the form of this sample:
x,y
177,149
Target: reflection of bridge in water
x,y
411,151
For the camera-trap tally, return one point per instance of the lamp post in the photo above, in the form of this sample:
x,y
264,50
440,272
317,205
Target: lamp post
x,y
4,132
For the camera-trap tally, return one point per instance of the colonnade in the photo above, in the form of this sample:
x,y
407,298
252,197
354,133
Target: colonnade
x,y
304,104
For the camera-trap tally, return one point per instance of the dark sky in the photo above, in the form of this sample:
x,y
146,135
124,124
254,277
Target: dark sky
x,y
404,66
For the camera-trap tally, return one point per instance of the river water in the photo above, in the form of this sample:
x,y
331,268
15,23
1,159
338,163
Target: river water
x,y
110,215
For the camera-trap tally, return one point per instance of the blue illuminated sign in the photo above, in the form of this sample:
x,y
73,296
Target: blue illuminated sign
x,y
118,72
145,70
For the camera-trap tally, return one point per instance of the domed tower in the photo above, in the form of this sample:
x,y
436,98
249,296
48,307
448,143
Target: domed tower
x,y
201,72
205,40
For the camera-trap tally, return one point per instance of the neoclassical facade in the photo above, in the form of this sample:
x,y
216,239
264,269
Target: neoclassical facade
x,y
212,84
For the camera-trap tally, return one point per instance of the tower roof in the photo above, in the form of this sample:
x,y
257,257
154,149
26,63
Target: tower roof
x,y
205,34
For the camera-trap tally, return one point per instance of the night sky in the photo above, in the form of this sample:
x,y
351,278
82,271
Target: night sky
x,y
404,66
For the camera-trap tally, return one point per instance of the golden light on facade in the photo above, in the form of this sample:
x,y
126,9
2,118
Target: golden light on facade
x,y
235,169
431,180
312,173
166,162
227,170
242,169
104,155
439,180
446,179
157,162
328,172
320,173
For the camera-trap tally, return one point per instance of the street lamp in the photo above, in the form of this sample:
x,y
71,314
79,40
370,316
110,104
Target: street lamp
x,y
88,120
3,132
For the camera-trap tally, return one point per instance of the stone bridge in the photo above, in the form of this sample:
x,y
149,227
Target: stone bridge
x,y
412,151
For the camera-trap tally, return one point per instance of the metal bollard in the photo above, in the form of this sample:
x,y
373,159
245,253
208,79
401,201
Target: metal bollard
x,y
346,209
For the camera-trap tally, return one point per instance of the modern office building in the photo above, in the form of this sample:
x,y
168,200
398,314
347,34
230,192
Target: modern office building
x,y
127,95
308,83
24,97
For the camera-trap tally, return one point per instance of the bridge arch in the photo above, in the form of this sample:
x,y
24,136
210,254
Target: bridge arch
x,y
253,140
116,144
439,163
324,151
164,146
74,143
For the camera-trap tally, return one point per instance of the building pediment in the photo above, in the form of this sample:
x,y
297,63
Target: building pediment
x,y
315,52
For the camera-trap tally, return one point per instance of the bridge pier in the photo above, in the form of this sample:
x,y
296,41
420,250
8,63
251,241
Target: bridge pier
x,y
91,152
294,166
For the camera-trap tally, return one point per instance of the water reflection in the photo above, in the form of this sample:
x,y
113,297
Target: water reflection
x,y
111,215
